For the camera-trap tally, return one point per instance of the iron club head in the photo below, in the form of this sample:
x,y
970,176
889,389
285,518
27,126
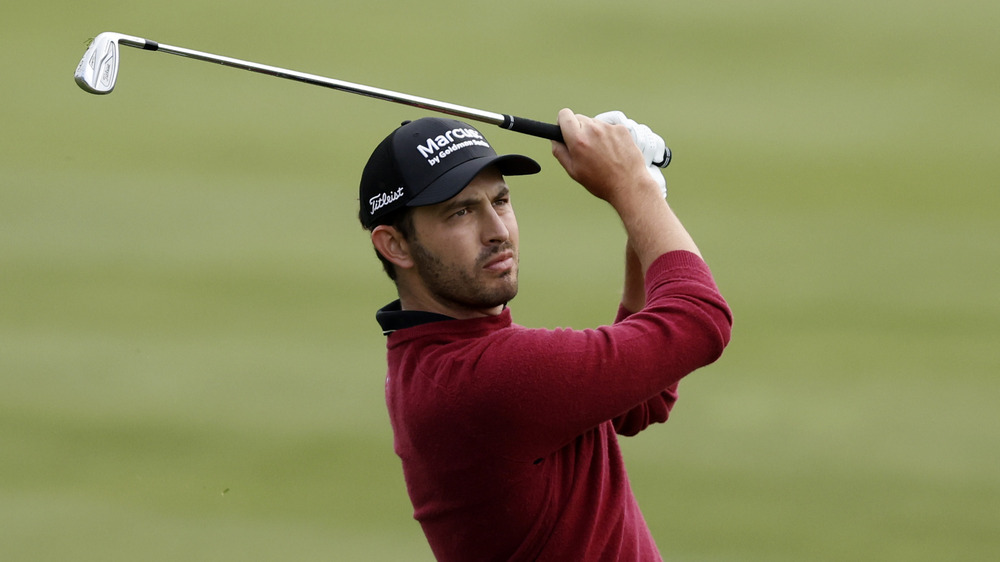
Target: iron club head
x,y
98,68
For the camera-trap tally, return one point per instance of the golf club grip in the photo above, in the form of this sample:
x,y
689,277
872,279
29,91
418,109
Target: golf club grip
x,y
532,127
553,132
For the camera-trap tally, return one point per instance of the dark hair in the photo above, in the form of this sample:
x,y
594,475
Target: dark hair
x,y
402,220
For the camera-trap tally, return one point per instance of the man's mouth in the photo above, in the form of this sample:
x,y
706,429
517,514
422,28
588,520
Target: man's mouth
x,y
501,262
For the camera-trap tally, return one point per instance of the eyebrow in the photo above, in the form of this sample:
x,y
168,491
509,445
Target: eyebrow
x,y
448,206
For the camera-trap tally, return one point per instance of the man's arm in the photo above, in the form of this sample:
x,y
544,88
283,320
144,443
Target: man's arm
x,y
634,290
536,390
652,147
652,231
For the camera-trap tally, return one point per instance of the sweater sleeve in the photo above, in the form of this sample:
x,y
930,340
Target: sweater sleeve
x,y
536,390
655,410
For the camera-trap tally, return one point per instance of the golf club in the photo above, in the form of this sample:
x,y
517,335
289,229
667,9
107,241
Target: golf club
x,y
98,71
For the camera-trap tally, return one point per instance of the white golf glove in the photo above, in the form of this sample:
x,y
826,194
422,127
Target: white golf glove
x,y
650,144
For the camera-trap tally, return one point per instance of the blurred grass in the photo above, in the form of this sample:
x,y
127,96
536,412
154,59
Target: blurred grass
x,y
189,368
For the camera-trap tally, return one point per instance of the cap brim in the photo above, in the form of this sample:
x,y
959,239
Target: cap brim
x,y
456,179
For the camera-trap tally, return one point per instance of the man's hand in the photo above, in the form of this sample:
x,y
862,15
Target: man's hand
x,y
603,158
650,144
606,161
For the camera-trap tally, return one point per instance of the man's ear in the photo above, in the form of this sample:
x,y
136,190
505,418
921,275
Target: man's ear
x,y
389,242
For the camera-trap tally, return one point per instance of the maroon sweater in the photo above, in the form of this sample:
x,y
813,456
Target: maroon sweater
x,y
507,435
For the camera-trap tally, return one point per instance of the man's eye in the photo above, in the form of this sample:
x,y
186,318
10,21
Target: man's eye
x,y
461,212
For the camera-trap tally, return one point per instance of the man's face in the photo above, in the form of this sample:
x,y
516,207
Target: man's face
x,y
465,250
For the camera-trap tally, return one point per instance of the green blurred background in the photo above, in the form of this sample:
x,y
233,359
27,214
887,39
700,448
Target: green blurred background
x,y
189,365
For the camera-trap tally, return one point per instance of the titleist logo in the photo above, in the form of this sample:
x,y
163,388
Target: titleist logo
x,y
383,199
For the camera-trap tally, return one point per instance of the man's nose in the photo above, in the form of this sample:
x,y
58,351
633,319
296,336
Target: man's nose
x,y
495,230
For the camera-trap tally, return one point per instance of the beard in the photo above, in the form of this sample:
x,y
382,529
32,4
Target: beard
x,y
472,287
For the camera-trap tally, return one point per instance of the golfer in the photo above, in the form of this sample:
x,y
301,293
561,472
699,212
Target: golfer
x,y
508,435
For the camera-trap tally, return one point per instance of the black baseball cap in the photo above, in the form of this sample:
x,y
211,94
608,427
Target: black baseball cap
x,y
428,161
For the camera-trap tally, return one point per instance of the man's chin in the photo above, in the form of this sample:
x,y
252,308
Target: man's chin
x,y
504,293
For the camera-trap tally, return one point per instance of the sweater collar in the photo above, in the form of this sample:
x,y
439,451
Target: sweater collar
x,y
392,317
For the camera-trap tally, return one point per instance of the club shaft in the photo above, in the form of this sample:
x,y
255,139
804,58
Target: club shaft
x,y
378,93
517,124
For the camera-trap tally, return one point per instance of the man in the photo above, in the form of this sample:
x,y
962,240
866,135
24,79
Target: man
x,y
507,435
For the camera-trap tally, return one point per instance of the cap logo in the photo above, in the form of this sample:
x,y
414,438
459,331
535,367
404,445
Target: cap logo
x,y
441,146
383,199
